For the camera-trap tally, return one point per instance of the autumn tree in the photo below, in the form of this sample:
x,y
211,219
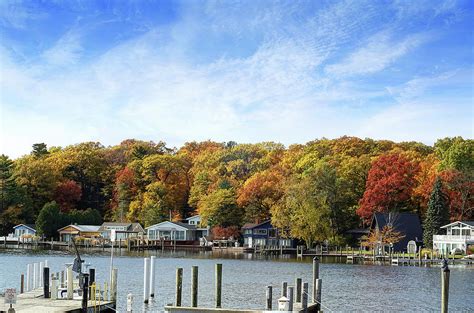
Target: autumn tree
x,y
67,194
389,185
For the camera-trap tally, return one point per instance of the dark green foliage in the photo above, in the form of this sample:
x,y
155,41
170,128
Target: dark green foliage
x,y
49,220
437,214
39,150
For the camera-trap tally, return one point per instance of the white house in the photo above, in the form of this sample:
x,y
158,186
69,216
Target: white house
x,y
194,220
22,230
122,230
459,235
200,230
171,231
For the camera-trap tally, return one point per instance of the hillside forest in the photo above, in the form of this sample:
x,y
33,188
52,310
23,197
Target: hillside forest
x,y
314,191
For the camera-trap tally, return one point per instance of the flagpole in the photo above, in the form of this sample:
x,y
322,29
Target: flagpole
x,y
112,240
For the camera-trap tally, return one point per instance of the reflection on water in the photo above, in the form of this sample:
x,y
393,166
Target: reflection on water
x,y
245,277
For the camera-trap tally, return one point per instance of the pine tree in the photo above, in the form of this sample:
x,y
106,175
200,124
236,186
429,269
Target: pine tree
x,y
437,214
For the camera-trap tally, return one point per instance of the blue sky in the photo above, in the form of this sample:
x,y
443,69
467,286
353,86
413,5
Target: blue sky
x,y
248,71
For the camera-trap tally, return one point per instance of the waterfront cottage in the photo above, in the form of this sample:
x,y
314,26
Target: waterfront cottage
x,y
264,234
459,235
201,231
122,230
172,231
86,231
24,230
408,224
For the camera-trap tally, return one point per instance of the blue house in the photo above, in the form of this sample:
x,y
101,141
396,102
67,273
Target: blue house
x,y
264,234
21,230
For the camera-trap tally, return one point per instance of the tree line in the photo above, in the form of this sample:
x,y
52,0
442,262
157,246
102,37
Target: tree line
x,y
314,191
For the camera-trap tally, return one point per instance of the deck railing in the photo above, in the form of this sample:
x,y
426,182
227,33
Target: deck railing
x,y
457,238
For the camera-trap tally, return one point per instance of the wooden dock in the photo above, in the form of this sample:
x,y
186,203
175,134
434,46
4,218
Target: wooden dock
x,y
34,302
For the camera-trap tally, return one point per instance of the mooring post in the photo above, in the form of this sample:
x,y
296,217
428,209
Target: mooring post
x,y
146,279
35,275
46,282
315,275
41,267
91,280
298,286
218,285
129,303
70,289
269,301
62,279
179,286
194,286
444,286
113,287
284,285
85,296
28,277
319,282
304,297
152,276
290,298
54,288
22,283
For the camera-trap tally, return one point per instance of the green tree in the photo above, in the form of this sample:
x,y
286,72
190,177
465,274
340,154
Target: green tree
x,y
39,150
437,214
49,220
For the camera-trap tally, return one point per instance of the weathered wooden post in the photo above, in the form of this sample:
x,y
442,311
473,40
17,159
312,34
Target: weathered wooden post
x,y
268,305
152,276
319,282
113,286
62,279
69,283
91,279
28,277
179,286
298,286
85,291
22,283
284,286
194,286
54,288
146,279
40,278
46,282
444,286
290,298
304,297
218,285
35,275
315,275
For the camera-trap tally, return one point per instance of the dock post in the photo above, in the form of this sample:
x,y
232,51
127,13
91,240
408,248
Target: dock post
x,y
28,276
290,298
319,282
22,283
268,305
179,286
46,282
129,303
304,297
146,279
62,279
298,283
54,288
444,286
70,286
113,286
284,286
218,285
91,279
40,278
85,296
194,286
35,275
315,275
152,276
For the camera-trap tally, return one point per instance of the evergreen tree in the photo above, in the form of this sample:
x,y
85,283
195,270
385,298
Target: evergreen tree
x,y
49,220
437,214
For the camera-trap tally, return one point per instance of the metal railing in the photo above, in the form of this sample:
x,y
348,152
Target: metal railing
x,y
458,238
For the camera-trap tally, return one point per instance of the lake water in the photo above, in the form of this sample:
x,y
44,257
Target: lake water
x,y
346,287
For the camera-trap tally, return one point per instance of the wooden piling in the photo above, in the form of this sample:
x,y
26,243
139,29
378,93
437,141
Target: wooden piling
x,y
304,297
315,275
146,279
152,276
218,285
69,283
46,282
194,286
29,277
85,290
284,286
269,301
22,283
298,286
290,298
113,285
319,282
445,272
54,288
179,286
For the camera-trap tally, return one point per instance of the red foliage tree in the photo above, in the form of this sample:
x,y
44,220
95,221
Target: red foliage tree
x,y
67,194
389,185
219,232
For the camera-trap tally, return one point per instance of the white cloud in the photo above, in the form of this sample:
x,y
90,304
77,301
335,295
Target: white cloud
x,y
66,51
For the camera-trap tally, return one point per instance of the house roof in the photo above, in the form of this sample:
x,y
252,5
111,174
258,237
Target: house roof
x,y
82,228
193,217
254,225
30,226
179,224
468,223
130,227
406,223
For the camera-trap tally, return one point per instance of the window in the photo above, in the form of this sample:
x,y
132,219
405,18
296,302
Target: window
x,y
260,232
247,231
272,233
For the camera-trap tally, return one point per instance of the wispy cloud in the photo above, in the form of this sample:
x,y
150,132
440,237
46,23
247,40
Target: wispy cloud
x,y
66,51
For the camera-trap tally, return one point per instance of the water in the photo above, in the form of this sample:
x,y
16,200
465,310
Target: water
x,y
346,287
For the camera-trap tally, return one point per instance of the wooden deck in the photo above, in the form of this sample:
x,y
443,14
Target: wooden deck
x,y
33,302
